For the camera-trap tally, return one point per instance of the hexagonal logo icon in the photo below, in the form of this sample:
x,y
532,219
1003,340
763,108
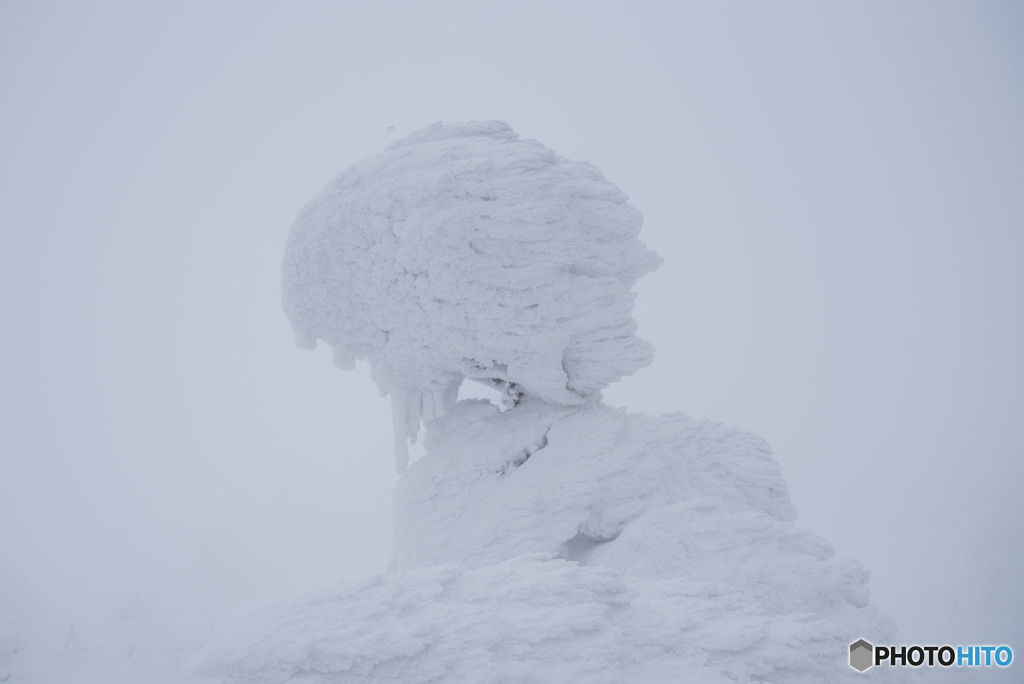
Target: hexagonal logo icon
x,y
861,655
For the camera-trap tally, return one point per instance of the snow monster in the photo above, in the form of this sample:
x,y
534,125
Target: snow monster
x,y
553,538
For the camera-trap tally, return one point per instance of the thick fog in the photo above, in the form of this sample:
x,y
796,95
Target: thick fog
x,y
836,191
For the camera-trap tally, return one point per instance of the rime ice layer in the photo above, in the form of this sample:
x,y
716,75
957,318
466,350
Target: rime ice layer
x,y
559,540
464,251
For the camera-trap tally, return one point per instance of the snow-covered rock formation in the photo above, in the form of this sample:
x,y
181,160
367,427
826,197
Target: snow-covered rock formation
x,y
553,539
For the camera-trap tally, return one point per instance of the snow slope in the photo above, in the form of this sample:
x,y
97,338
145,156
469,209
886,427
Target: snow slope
x,y
557,544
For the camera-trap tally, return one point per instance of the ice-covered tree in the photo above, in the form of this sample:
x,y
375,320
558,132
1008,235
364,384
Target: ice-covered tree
x,y
464,251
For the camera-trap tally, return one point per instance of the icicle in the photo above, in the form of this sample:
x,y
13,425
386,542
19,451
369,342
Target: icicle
x,y
431,408
400,423
451,393
343,358
410,409
437,399
414,416
303,340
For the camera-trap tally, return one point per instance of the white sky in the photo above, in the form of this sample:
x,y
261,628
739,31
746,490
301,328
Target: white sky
x,y
837,190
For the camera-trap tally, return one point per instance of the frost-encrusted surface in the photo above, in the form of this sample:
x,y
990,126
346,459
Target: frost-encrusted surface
x,y
564,544
529,619
530,479
464,251
533,619
559,540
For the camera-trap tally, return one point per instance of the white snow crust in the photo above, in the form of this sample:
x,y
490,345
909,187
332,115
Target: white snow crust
x,y
564,544
559,539
465,252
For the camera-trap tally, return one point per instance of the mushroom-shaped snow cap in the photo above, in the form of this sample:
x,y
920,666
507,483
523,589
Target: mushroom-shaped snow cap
x,y
464,251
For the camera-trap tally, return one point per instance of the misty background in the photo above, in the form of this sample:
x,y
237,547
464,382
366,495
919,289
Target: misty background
x,y
837,191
